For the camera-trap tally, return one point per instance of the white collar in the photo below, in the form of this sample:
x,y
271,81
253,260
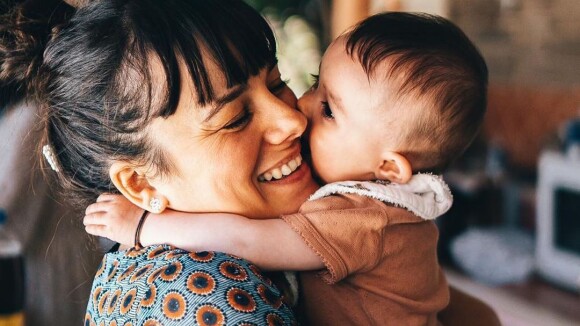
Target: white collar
x,y
425,195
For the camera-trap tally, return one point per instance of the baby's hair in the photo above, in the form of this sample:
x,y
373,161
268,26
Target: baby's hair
x,y
432,61
91,73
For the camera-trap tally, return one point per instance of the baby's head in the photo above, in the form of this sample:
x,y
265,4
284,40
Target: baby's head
x,y
398,94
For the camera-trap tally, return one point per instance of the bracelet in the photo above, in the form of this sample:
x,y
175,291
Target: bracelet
x,y
138,245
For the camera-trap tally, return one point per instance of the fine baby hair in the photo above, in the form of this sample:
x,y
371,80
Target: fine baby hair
x,y
100,73
435,72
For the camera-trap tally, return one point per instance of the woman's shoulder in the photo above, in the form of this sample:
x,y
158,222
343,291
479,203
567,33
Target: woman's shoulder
x,y
167,285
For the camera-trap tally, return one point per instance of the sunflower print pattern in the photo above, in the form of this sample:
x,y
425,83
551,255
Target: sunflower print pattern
x,y
162,285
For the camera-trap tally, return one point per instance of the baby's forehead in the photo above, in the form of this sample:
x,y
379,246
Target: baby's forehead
x,y
362,91
339,50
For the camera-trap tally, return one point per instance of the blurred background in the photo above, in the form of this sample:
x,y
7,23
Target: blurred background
x,y
512,237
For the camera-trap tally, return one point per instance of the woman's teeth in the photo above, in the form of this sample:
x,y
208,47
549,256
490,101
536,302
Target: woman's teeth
x,y
282,171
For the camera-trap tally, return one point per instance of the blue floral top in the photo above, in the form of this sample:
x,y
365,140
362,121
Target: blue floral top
x,y
162,285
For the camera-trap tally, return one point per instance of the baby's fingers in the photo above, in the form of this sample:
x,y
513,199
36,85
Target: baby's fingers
x,y
98,207
107,197
98,230
98,218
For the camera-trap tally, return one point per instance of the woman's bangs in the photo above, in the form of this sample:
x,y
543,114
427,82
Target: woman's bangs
x,y
236,37
239,41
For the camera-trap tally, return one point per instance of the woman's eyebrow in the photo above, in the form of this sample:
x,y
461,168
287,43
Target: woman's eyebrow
x,y
231,95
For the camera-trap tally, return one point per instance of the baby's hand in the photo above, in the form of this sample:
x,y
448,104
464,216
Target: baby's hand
x,y
113,217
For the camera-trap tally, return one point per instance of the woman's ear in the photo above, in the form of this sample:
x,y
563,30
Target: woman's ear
x,y
135,186
394,167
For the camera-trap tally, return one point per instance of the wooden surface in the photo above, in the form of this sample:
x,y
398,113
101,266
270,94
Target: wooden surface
x,y
522,119
538,292
534,303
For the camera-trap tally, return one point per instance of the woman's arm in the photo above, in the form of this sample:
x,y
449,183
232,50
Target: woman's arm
x,y
270,244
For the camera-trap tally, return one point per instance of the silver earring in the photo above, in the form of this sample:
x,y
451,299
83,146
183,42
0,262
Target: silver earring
x,y
155,205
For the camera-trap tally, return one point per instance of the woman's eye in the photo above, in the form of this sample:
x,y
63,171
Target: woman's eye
x,y
240,120
280,86
315,78
327,111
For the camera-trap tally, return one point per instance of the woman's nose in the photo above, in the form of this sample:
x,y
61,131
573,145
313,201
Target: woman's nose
x,y
285,123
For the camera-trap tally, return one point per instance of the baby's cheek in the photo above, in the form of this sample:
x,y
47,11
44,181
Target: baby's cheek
x,y
322,165
323,155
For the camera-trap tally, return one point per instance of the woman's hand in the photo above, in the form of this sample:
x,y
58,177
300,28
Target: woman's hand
x,y
113,217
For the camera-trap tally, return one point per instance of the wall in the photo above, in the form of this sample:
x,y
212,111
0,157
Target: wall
x,y
524,41
532,48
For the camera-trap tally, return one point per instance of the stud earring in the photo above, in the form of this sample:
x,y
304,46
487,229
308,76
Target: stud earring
x,y
155,205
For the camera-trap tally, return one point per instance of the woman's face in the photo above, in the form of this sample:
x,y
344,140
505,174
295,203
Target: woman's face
x,y
222,153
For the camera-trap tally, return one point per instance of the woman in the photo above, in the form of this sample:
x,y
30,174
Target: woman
x,y
147,98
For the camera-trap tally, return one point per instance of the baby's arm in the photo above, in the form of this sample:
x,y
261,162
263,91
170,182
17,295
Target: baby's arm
x,y
271,244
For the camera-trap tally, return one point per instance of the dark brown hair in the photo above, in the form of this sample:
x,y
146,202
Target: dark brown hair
x,y
90,72
434,60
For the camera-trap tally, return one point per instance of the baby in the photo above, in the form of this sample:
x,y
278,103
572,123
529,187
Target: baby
x,y
398,98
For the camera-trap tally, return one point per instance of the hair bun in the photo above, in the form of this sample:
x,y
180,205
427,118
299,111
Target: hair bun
x,y
25,29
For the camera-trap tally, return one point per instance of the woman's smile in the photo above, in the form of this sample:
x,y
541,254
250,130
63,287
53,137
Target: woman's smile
x,y
296,175
281,171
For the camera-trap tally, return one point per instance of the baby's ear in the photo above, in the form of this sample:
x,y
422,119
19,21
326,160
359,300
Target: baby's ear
x,y
394,167
135,186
